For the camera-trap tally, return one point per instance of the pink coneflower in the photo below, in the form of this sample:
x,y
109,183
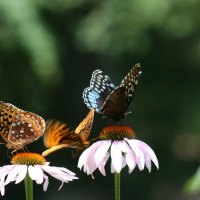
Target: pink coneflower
x,y
119,143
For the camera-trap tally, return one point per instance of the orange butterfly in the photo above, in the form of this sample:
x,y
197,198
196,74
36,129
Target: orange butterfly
x,y
18,127
58,135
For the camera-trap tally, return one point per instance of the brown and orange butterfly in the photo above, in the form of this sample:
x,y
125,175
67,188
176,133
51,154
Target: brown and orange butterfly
x,y
18,127
58,135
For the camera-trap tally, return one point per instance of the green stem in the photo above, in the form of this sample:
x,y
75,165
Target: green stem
x,y
28,187
117,186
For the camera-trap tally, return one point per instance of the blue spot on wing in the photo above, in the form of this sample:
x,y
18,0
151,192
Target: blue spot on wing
x,y
100,87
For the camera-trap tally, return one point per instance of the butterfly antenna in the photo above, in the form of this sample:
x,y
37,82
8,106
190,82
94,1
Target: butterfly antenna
x,y
2,143
7,152
25,149
14,152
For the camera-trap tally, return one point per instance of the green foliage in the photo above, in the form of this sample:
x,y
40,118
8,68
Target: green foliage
x,y
193,184
22,17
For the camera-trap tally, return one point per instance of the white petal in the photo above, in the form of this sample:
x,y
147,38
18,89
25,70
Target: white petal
x,y
5,169
33,172
123,165
138,153
13,173
101,152
91,165
2,184
148,163
58,174
21,175
62,169
116,156
83,158
129,155
148,151
103,163
40,176
46,182
86,159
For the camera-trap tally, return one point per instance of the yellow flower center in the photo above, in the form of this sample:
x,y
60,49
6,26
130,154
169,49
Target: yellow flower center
x,y
117,133
28,158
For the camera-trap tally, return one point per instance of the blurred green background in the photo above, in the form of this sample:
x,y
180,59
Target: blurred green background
x,y
48,50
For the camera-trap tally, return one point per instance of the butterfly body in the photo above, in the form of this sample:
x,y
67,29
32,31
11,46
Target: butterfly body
x,y
58,135
108,100
18,127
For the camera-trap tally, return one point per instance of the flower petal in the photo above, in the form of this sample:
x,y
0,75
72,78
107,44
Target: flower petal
x,y
5,169
21,175
101,152
33,172
149,153
123,165
13,173
2,184
129,155
58,174
103,163
40,174
138,153
46,182
116,156
86,159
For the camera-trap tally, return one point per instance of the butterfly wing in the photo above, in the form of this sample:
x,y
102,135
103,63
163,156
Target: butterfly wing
x,y
119,99
25,129
130,82
84,128
7,113
100,87
58,135
18,127
114,105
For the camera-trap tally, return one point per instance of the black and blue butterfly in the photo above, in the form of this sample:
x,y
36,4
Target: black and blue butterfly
x,y
107,99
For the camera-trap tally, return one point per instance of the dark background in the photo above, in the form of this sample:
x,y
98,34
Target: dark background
x,y
48,50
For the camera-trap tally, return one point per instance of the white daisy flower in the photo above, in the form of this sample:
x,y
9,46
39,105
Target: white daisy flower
x,y
35,166
118,143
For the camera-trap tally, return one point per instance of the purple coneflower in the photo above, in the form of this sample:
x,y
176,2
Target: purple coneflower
x,y
119,143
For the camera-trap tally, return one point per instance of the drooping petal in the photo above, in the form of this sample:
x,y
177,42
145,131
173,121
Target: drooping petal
x,y
129,156
148,162
32,171
46,182
22,173
62,169
138,153
103,163
101,152
83,158
123,165
116,156
13,174
148,153
58,174
40,173
2,184
86,159
5,169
